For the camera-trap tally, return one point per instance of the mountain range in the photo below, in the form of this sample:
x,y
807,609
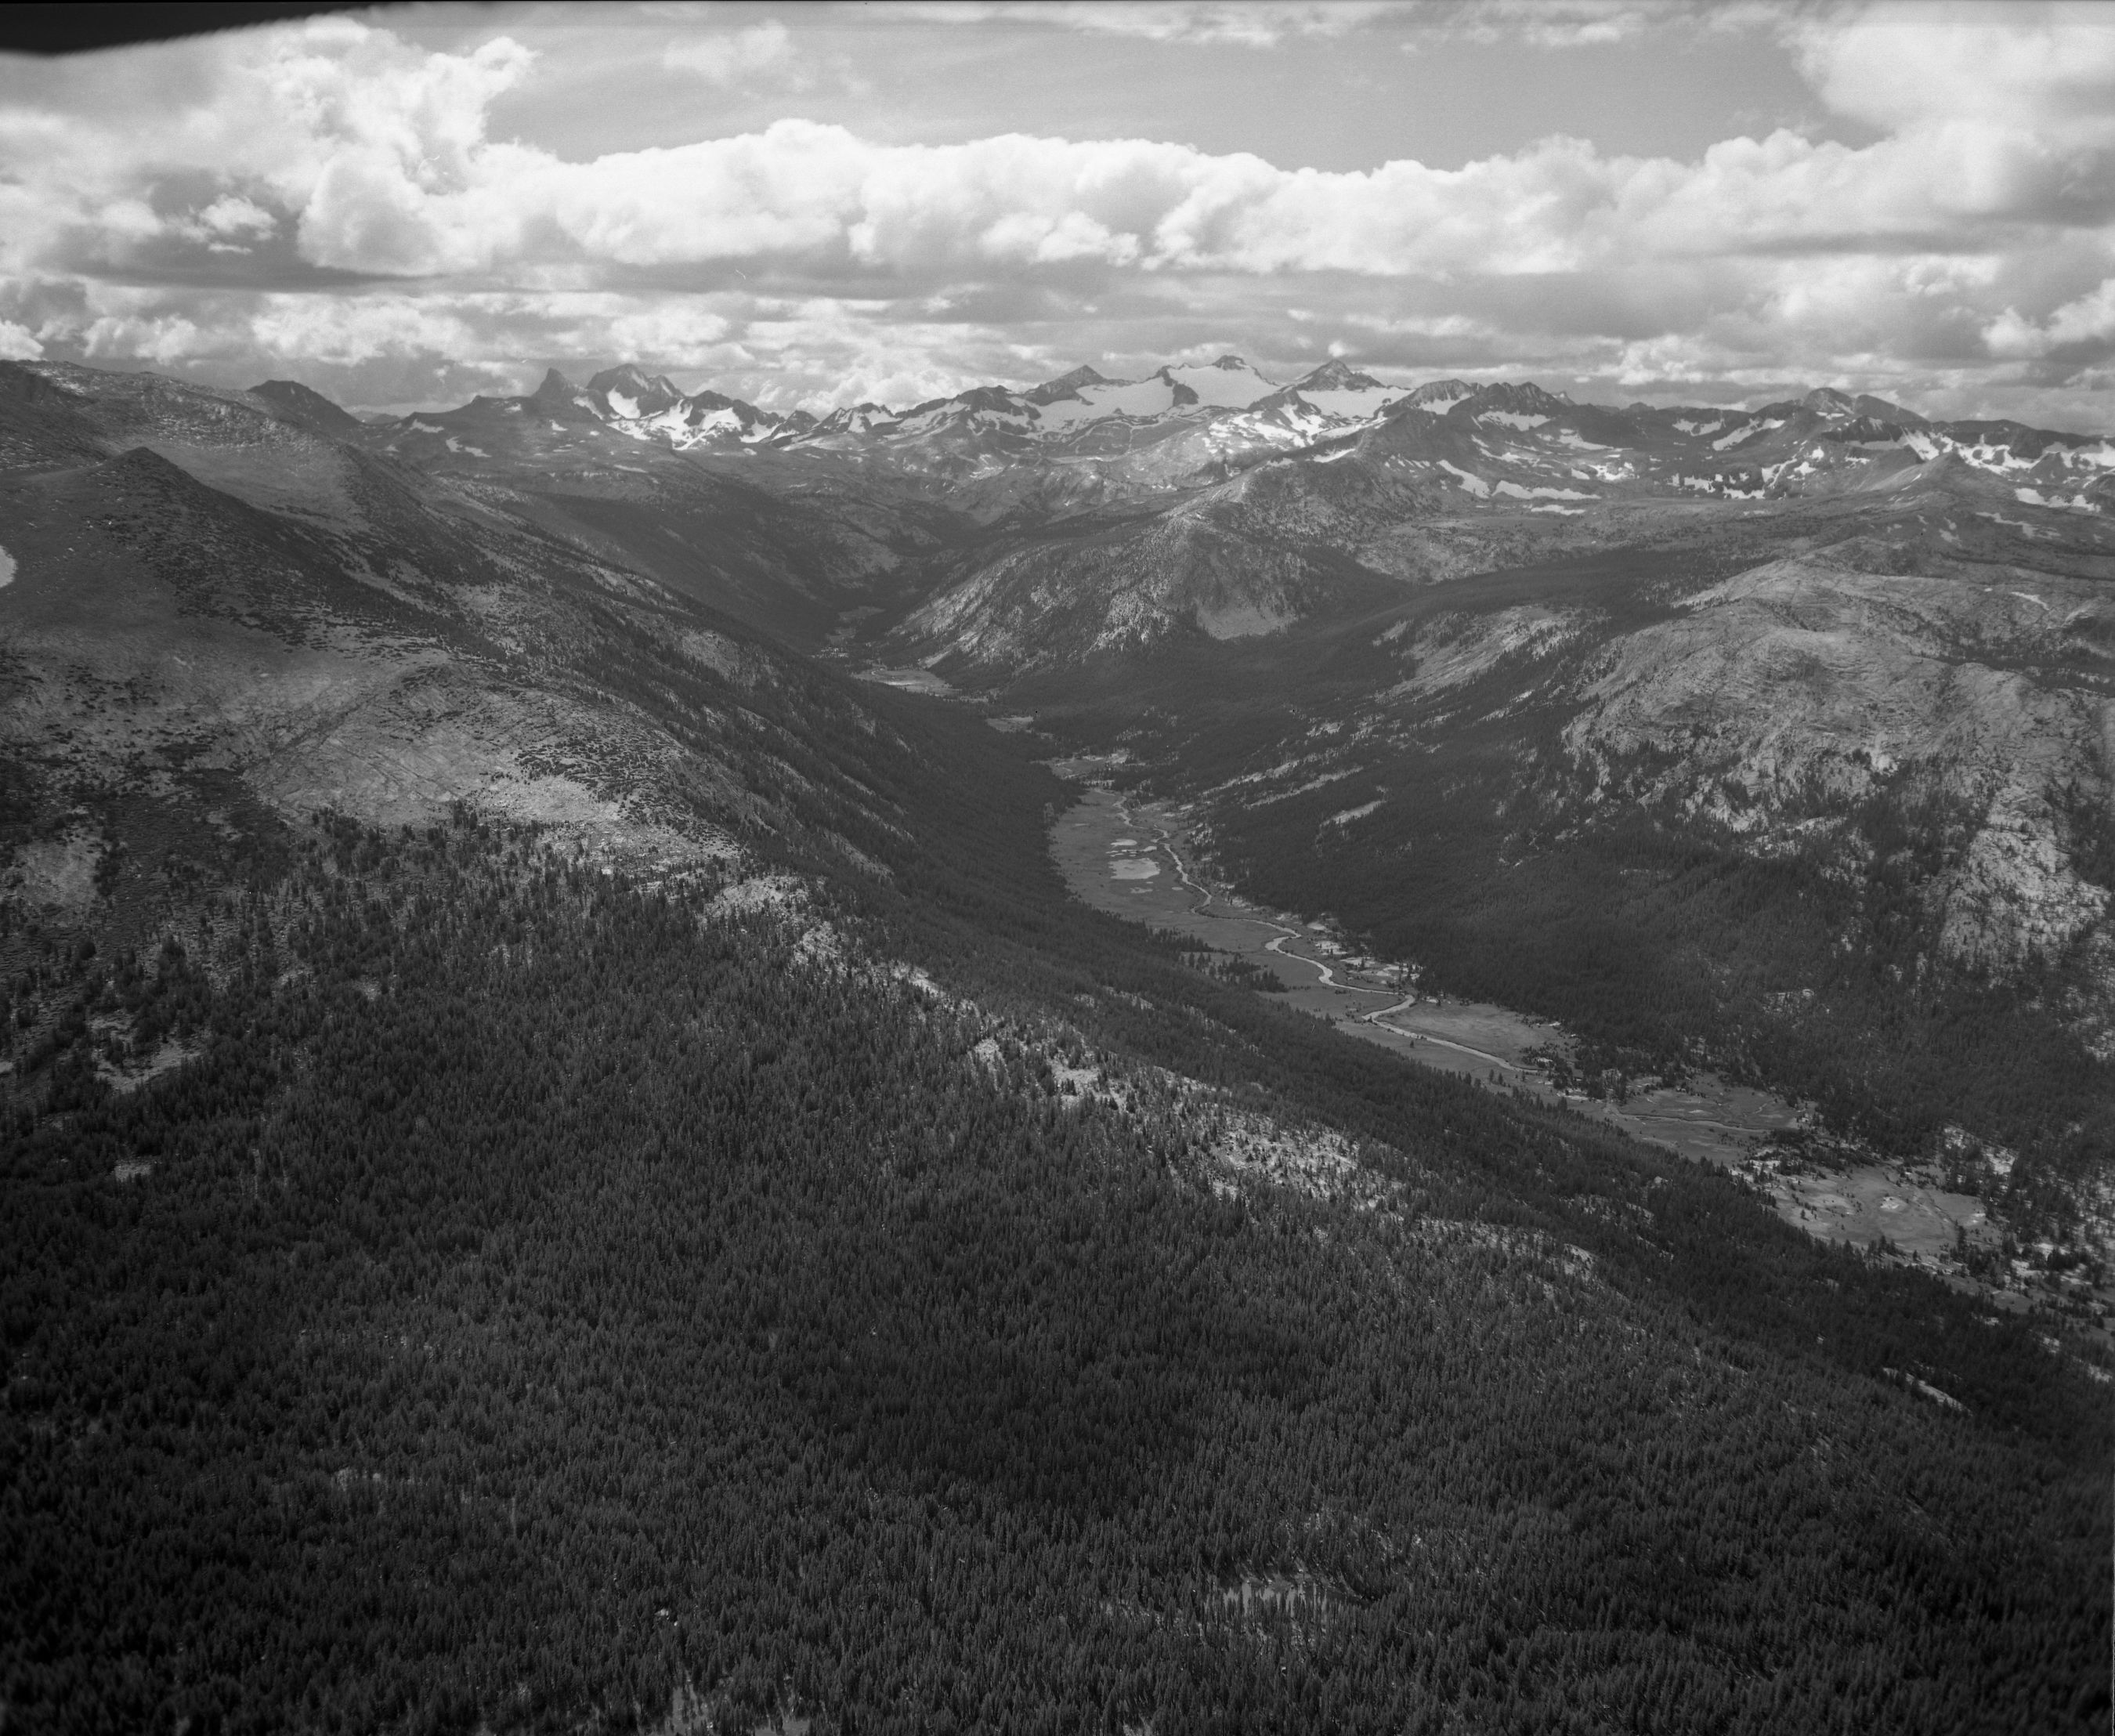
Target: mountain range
x,y
1500,443
570,1160
1761,624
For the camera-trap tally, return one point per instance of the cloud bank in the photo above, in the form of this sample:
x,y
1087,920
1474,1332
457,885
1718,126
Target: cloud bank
x,y
330,200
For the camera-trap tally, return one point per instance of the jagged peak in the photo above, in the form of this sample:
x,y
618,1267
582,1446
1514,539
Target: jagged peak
x,y
650,393
1828,401
555,384
1337,375
627,378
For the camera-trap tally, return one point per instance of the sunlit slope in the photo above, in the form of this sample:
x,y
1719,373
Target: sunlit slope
x,y
233,596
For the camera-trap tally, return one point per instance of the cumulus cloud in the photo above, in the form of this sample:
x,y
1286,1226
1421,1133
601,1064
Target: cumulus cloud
x,y
1975,230
2086,324
2045,69
378,152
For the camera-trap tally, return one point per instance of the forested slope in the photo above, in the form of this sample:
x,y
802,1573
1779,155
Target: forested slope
x,y
531,1296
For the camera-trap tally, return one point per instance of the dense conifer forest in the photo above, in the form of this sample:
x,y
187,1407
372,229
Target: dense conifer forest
x,y
551,1299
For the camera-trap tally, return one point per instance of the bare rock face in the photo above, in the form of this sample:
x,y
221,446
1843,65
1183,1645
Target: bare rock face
x,y
1776,702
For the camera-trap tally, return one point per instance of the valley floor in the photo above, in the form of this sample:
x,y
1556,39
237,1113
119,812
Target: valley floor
x,y
1132,859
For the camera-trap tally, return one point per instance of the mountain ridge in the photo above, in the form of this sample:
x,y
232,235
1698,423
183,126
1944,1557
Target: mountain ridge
x,y
575,1141
1165,436
1780,637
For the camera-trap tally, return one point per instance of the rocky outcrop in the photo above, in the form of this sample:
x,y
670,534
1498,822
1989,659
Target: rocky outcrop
x,y
1776,703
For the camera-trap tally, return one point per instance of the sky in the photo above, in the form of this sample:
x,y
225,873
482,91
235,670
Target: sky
x,y
816,204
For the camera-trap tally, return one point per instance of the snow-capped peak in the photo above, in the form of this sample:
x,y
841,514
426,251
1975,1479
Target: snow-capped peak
x,y
1341,392
1228,383
556,396
630,392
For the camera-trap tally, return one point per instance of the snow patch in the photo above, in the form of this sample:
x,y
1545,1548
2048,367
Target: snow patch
x,y
1519,493
6,569
1469,480
2035,498
1745,432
